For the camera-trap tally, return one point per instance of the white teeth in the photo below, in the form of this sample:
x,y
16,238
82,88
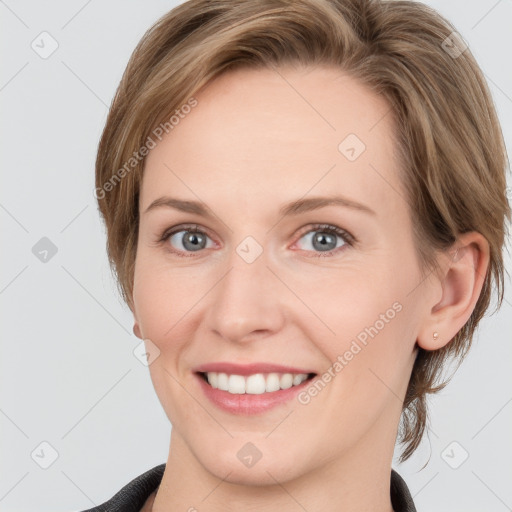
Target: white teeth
x,y
214,380
255,384
297,379
272,382
222,381
236,384
286,381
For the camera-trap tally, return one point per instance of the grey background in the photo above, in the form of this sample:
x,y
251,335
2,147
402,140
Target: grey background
x,y
68,373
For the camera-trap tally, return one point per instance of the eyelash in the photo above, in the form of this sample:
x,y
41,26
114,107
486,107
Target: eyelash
x,y
349,239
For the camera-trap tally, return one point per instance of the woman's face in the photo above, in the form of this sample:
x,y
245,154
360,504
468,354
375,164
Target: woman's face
x,y
263,278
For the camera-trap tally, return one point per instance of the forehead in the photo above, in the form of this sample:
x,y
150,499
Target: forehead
x,y
282,132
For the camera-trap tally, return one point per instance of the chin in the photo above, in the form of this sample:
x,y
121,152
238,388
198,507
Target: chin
x,y
240,461
259,475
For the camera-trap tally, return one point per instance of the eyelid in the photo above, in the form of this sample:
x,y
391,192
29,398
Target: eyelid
x,y
348,239
182,227
343,233
166,235
346,236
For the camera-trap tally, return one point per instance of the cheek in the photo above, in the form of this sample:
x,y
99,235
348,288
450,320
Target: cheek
x,y
158,298
167,301
367,357
345,301
161,304
159,308
362,324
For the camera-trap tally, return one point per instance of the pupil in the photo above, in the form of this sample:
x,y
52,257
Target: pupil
x,y
192,241
322,241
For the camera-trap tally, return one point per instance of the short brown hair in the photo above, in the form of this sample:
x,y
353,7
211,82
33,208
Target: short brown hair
x,y
449,138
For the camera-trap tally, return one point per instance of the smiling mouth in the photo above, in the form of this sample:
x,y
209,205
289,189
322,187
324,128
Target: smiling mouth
x,y
255,384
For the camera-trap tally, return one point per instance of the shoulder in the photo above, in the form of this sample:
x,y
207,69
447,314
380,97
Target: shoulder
x,y
401,498
133,496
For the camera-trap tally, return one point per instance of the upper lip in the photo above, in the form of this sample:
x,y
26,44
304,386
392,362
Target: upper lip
x,y
248,369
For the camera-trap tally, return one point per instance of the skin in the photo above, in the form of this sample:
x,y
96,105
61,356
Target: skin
x,y
256,140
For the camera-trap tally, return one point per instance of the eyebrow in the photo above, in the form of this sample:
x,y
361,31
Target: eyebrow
x,y
294,208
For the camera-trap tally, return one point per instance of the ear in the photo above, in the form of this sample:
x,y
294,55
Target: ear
x,y
463,274
136,330
136,327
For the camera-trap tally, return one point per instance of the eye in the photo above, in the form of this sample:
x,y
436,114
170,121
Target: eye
x,y
183,239
326,239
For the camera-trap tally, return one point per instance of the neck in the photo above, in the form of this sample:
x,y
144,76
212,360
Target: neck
x,y
359,481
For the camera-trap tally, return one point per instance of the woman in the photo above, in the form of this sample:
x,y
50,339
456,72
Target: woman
x,y
305,208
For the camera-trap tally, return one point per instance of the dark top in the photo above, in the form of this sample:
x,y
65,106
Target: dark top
x,y
131,497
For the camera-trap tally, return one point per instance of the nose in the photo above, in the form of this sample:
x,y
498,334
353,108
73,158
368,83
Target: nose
x,y
247,303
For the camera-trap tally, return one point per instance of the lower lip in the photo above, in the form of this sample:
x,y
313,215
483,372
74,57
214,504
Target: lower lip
x,y
248,404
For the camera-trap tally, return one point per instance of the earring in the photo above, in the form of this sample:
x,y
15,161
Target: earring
x,y
435,335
